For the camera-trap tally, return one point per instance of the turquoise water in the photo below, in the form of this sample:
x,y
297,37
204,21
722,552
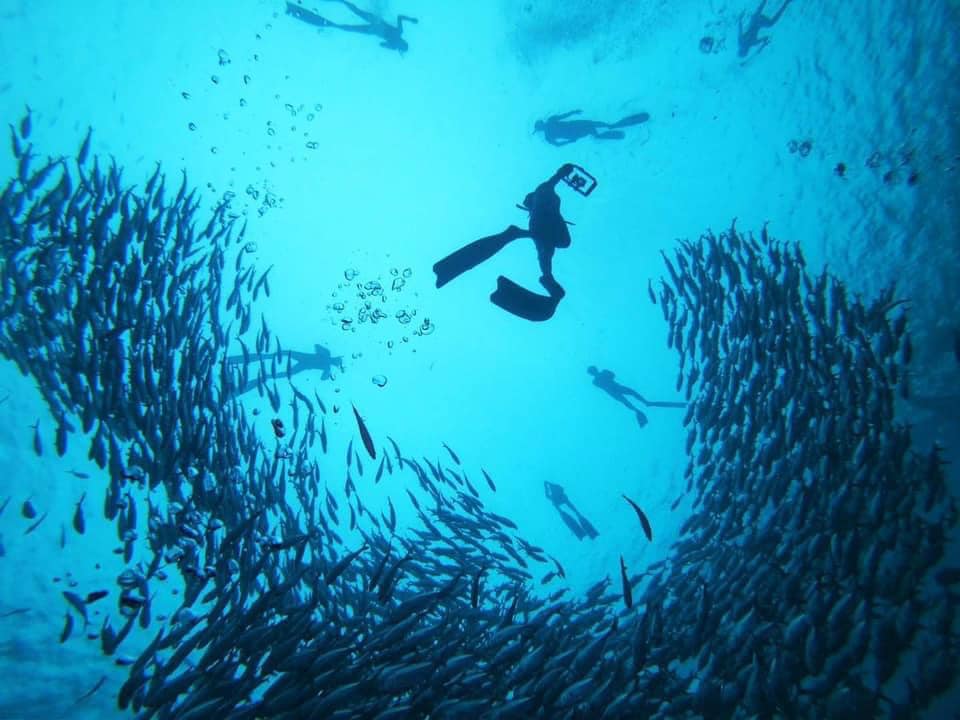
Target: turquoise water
x,y
349,164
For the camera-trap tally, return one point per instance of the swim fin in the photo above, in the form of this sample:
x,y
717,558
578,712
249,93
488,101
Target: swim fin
x,y
469,256
522,302
632,120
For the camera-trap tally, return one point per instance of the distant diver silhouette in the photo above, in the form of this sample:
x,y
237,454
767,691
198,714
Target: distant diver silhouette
x,y
320,359
605,380
548,230
391,35
579,525
750,37
557,130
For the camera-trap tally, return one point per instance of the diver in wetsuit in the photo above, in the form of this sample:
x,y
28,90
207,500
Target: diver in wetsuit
x,y
557,130
574,519
548,230
749,38
606,381
374,24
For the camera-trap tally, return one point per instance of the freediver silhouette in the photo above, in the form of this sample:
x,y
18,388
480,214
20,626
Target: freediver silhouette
x,y
320,359
548,230
606,381
391,35
557,130
579,525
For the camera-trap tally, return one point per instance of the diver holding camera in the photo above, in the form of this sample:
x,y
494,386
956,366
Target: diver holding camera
x,y
546,228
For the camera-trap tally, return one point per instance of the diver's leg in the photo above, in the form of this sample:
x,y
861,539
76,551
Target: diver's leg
x,y
778,13
362,14
545,257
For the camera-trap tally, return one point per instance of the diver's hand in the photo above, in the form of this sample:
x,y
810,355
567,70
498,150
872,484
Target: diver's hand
x,y
565,169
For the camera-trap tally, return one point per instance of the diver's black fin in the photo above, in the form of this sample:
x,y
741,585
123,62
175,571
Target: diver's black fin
x,y
469,256
632,120
522,302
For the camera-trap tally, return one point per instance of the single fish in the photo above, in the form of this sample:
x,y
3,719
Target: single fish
x,y
365,435
37,441
452,453
79,524
67,627
36,524
627,588
647,530
489,480
28,510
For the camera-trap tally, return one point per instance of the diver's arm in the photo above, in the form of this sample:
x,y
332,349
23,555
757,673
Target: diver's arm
x,y
401,18
564,116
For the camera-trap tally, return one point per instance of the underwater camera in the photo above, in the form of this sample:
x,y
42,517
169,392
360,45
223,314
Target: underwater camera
x,y
580,180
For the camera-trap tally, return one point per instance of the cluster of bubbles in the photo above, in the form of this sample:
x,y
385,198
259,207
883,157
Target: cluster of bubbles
x,y
372,302
283,133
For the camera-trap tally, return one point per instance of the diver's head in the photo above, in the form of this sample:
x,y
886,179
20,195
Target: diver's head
x,y
538,125
593,370
402,45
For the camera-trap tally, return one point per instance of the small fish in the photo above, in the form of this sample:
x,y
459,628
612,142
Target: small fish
x,y
96,595
91,691
79,524
84,148
349,453
5,503
323,435
475,588
78,474
338,569
647,530
67,627
489,480
61,440
28,511
26,124
78,604
627,589
452,453
36,524
37,441
365,434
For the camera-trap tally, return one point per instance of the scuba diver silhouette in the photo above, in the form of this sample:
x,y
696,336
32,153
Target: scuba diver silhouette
x,y
557,130
548,230
578,525
604,379
392,35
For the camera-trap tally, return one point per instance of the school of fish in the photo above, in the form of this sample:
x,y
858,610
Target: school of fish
x,y
807,580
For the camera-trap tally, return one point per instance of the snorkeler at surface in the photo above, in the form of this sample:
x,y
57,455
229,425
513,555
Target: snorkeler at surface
x,y
548,230
391,35
557,130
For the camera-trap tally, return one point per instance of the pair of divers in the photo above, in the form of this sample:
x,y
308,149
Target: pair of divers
x,y
391,35
547,229
558,130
